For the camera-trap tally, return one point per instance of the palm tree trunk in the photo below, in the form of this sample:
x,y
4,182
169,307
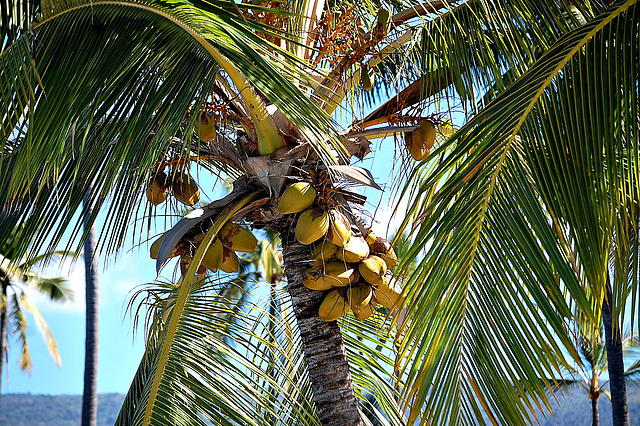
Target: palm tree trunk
x,y
90,391
3,327
595,415
322,344
613,342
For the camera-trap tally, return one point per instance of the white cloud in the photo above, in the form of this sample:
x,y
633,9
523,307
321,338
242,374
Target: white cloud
x,y
115,282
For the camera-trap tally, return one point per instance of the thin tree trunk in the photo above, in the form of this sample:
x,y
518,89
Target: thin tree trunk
x,y
90,391
322,344
595,415
3,329
613,342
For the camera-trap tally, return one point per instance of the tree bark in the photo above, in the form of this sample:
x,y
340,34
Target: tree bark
x,y
594,413
322,343
613,342
3,328
90,391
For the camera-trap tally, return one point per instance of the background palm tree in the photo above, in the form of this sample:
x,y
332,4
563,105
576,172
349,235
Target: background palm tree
x,y
593,363
488,215
15,277
91,282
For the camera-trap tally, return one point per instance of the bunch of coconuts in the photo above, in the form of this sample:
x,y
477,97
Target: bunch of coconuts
x,y
221,253
351,268
183,187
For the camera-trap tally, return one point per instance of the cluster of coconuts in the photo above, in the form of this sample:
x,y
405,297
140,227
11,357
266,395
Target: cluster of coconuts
x,y
221,253
183,187
420,141
351,268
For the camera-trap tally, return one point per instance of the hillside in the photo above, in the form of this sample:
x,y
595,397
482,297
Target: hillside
x,y
55,410
64,410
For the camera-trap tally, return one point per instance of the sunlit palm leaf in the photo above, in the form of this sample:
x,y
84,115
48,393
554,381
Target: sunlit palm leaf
x,y
43,327
18,327
495,256
110,70
56,289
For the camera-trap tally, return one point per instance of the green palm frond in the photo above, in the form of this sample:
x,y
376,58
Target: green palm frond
x,y
249,371
447,59
546,169
57,289
372,357
106,131
221,382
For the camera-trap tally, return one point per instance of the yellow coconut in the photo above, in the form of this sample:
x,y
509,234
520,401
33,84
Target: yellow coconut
x,y
372,269
359,296
366,311
213,256
354,251
333,306
296,198
389,293
230,262
237,238
332,274
339,232
381,247
420,142
323,252
312,225
158,189
206,128
185,189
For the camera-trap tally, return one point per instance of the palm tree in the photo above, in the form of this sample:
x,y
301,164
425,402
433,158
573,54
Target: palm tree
x,y
592,363
91,282
14,279
112,93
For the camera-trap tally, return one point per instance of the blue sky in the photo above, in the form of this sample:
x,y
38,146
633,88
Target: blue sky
x,y
120,349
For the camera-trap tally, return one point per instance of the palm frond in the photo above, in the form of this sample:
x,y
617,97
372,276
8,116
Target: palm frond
x,y
57,289
43,327
501,225
18,327
221,382
106,131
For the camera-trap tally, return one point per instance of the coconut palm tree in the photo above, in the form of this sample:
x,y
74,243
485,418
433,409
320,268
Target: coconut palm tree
x,y
91,283
15,278
593,363
119,95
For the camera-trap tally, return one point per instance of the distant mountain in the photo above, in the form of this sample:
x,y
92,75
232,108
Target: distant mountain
x,y
65,410
23,409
